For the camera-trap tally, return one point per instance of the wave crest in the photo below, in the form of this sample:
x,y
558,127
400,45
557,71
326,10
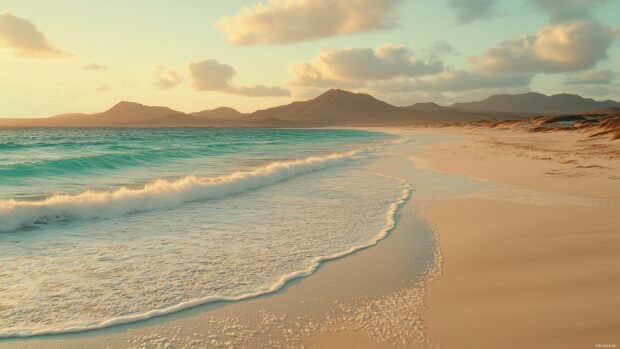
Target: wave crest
x,y
161,194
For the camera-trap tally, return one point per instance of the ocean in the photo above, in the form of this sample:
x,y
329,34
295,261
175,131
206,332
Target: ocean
x,y
100,227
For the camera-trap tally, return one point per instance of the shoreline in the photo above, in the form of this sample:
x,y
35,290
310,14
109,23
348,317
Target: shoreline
x,y
138,320
100,334
469,186
104,329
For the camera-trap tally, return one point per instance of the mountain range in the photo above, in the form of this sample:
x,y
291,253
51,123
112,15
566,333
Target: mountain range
x,y
536,103
333,108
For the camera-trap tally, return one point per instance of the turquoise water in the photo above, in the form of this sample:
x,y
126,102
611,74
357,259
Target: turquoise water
x,y
37,162
107,226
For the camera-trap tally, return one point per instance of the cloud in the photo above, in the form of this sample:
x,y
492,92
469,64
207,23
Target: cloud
x,y
563,10
25,40
557,47
347,68
393,70
387,61
471,10
307,75
439,49
95,66
593,77
453,80
211,75
292,21
164,78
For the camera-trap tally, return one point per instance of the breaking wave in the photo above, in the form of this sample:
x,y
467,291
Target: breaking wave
x,y
161,194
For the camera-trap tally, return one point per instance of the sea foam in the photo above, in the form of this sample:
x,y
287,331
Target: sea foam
x,y
160,194
124,268
132,277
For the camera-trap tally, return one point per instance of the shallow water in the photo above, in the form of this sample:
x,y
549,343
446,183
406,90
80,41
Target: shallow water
x,y
72,260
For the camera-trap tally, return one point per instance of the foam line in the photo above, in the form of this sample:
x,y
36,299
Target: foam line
x,y
382,234
161,194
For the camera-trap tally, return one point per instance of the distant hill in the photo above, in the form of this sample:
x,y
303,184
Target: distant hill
x,y
535,103
222,113
130,112
440,113
336,107
339,107
122,114
332,108
223,116
428,107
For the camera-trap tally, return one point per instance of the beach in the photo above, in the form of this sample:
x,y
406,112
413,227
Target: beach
x,y
508,240
300,174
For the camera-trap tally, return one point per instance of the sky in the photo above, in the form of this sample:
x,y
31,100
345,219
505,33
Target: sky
x,y
85,56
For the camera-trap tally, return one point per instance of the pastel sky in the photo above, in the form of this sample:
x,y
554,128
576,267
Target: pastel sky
x,y
84,56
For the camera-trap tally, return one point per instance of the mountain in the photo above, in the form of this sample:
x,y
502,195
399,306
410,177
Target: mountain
x,y
222,113
336,107
332,108
222,117
122,114
535,103
341,108
428,107
131,112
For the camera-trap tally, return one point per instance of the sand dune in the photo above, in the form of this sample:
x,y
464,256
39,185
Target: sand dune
x,y
603,123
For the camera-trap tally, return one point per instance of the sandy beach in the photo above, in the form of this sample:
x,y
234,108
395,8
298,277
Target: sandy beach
x,y
509,240
304,174
532,263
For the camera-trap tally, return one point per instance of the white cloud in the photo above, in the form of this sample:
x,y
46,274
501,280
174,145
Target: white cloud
x,y
393,70
556,47
470,10
386,62
25,40
307,75
291,21
211,75
348,68
164,78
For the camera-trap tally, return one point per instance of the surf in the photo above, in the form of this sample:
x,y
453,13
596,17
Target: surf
x,y
389,219
160,194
